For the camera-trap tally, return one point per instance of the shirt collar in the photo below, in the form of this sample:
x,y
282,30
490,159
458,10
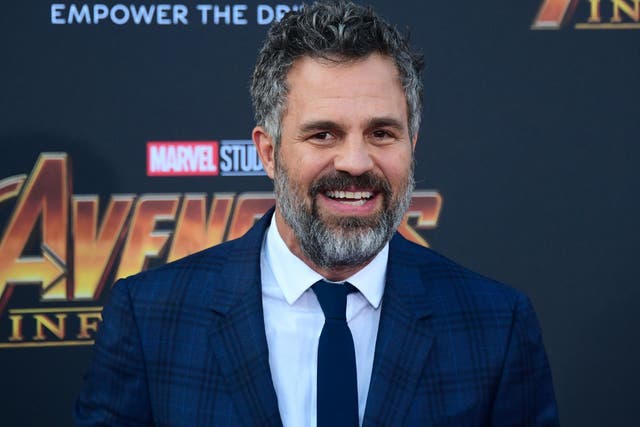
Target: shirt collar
x,y
294,277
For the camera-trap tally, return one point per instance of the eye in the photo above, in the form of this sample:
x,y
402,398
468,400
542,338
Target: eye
x,y
382,135
322,137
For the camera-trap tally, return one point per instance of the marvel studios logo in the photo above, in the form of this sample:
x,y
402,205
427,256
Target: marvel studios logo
x,y
231,157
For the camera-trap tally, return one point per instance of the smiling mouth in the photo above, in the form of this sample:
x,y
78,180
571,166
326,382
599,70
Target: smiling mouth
x,y
353,198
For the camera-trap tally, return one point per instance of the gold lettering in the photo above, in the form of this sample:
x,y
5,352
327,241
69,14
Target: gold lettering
x,y
249,208
192,234
624,7
44,197
144,241
425,210
16,328
95,248
595,12
88,322
43,322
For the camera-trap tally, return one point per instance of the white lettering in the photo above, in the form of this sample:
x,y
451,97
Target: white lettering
x,y
100,11
157,162
56,13
265,14
238,14
114,14
182,160
226,162
162,12
240,159
206,159
191,158
245,165
141,13
171,159
226,14
281,10
217,14
79,16
180,14
236,157
204,9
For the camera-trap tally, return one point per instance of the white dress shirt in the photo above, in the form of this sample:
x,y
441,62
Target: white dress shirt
x,y
293,321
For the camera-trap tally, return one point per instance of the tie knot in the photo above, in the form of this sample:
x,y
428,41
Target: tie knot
x,y
333,298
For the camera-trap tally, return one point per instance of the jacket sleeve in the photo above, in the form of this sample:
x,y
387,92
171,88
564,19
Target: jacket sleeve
x,y
525,392
115,391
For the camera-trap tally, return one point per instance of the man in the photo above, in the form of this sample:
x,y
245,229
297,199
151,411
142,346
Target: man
x,y
247,333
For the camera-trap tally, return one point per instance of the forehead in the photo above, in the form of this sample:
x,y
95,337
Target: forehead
x,y
370,85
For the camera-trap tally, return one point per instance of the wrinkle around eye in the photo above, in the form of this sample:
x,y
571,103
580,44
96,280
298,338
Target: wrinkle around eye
x,y
322,137
383,137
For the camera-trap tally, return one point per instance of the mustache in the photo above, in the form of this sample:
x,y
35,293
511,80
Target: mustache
x,y
343,181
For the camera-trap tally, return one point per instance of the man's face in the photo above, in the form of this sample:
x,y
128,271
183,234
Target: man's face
x,y
343,170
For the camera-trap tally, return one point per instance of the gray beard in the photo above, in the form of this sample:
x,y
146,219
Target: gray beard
x,y
349,241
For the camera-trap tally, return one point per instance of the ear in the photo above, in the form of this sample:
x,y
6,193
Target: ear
x,y
413,143
266,149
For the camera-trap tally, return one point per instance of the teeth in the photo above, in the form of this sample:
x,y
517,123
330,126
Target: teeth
x,y
360,196
355,202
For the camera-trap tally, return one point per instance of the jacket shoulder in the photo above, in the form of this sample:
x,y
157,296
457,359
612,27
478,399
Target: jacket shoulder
x,y
443,276
238,258
198,277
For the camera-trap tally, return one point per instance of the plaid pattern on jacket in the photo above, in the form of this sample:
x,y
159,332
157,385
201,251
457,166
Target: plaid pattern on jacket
x,y
185,345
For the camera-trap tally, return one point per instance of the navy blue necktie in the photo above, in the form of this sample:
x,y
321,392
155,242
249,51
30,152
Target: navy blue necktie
x,y
337,377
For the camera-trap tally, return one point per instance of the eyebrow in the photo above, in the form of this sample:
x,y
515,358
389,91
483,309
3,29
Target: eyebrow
x,y
376,122
318,125
383,122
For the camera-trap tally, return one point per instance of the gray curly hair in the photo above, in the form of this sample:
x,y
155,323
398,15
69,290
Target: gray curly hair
x,y
335,31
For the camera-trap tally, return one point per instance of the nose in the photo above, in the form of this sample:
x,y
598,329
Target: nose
x,y
353,157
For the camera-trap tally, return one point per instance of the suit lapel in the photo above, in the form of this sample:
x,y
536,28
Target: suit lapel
x,y
237,337
238,340
403,341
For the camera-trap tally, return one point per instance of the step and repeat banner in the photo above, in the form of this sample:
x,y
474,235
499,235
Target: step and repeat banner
x,y
125,144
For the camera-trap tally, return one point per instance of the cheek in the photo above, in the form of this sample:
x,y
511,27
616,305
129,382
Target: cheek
x,y
305,166
396,166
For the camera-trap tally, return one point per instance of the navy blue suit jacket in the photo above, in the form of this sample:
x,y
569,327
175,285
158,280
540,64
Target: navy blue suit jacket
x,y
185,345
